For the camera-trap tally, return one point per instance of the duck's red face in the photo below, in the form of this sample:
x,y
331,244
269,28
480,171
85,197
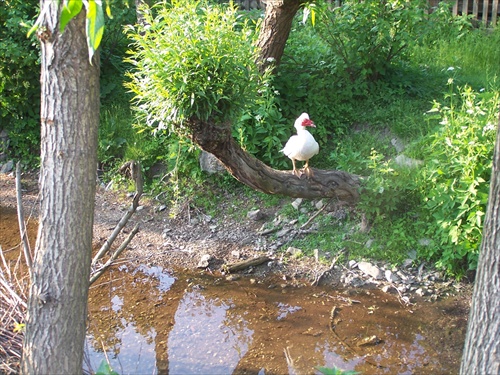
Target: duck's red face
x,y
307,122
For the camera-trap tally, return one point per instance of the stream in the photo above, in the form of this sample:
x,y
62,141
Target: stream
x,y
148,320
145,319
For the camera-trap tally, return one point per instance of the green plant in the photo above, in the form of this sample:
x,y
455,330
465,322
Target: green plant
x,y
366,37
105,369
192,60
455,181
19,80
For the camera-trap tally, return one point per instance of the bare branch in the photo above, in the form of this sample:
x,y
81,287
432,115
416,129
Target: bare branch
x,y
22,225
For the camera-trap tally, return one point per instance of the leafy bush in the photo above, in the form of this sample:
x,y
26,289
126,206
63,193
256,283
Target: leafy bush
x,y
192,60
19,80
456,177
365,37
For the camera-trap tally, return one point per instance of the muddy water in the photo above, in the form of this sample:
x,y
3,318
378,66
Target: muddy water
x,y
149,320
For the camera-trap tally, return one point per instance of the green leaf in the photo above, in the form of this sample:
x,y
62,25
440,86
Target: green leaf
x,y
95,26
70,9
105,369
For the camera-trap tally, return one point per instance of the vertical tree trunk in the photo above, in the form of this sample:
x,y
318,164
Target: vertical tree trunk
x,y
57,305
275,30
482,349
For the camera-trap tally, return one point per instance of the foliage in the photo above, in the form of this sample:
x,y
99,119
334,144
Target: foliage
x,y
192,61
105,369
19,80
262,129
365,37
455,180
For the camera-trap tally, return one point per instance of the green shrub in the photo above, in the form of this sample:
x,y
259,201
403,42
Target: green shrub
x,y
455,180
193,60
19,80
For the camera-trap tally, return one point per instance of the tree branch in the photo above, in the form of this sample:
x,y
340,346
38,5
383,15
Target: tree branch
x,y
22,225
217,139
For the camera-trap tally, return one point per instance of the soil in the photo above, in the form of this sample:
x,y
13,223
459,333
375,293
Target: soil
x,y
180,237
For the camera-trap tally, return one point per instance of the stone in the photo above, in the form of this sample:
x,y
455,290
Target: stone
x,y
255,215
319,205
294,251
7,167
204,261
370,270
210,164
236,254
389,276
398,144
296,203
352,263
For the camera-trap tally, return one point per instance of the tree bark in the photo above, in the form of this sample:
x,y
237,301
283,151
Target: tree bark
x,y
57,305
217,139
275,30
482,351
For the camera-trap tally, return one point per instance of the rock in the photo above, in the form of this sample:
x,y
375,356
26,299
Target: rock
x,y
420,292
7,167
296,203
405,161
294,251
407,263
255,215
352,264
389,276
370,270
236,254
204,261
232,277
209,163
319,205
398,144
162,208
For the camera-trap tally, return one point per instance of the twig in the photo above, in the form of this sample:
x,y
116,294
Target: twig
x,y
115,255
22,225
137,175
316,214
334,261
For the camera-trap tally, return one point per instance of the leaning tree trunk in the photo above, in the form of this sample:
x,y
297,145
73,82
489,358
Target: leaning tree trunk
x,y
275,30
482,351
57,304
217,139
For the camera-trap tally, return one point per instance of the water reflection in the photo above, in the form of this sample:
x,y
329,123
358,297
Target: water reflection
x,y
207,337
148,322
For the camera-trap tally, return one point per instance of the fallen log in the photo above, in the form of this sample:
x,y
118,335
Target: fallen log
x,y
229,268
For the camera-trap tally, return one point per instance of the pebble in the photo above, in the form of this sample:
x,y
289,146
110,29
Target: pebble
x,y
296,203
370,270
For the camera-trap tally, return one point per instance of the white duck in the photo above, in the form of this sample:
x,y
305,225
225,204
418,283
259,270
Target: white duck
x,y
302,146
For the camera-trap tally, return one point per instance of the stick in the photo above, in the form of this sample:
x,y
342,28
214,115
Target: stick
x,y
244,264
115,255
22,225
137,175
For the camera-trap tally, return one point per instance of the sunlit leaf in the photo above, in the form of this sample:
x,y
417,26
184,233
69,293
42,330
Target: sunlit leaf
x,y
95,26
105,369
70,9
